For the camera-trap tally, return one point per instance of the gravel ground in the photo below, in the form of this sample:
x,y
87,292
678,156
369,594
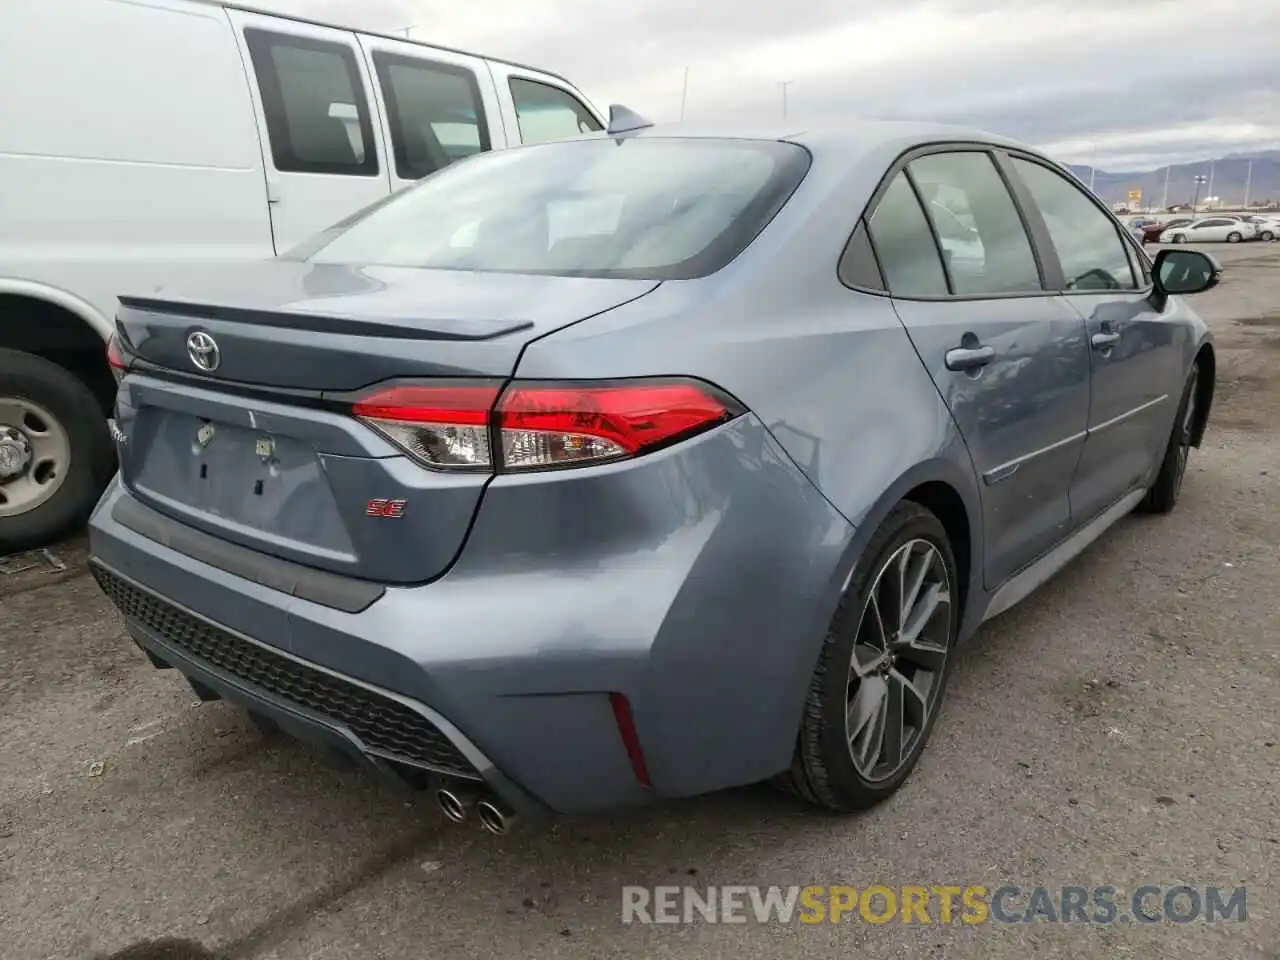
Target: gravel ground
x,y
1117,728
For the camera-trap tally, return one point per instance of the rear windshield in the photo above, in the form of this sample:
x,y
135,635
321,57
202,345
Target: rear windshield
x,y
659,209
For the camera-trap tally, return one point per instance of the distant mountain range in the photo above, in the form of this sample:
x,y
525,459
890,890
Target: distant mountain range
x,y
1229,175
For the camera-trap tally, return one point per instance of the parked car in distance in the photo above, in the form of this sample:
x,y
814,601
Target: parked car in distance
x,y
142,140
1210,230
1134,229
1151,232
1268,227
1138,227
647,463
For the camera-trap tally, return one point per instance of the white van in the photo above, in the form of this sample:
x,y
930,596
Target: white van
x,y
143,137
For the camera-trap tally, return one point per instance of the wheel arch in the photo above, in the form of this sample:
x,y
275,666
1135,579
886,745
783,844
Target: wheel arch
x,y
944,502
60,327
946,486
1207,361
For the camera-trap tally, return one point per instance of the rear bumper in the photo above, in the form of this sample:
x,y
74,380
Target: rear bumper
x,y
394,750
697,582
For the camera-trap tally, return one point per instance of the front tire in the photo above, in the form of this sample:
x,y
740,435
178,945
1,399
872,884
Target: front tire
x,y
1163,495
57,455
1179,238
882,671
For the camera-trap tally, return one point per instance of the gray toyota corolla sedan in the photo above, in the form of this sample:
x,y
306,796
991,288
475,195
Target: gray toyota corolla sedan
x,y
648,463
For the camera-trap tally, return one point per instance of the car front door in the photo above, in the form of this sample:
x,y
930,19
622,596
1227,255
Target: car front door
x,y
1010,359
1134,350
315,120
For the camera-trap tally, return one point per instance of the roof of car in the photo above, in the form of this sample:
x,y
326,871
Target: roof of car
x,y
858,134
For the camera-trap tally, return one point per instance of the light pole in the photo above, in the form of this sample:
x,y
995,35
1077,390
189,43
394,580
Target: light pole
x,y
406,30
1248,182
1209,192
784,84
1164,204
1093,167
684,94
1199,179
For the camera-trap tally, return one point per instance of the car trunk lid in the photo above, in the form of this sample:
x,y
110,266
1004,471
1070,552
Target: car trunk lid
x,y
237,421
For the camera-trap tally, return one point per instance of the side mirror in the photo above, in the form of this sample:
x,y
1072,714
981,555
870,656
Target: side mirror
x,y
1185,272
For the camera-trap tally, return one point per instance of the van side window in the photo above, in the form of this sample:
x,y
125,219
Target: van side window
x,y
315,106
549,113
434,110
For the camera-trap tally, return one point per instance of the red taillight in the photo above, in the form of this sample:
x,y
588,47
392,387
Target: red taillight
x,y
541,425
441,426
550,426
116,358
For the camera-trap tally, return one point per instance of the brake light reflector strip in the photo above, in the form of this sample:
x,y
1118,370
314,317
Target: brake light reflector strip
x,y
541,425
630,739
116,359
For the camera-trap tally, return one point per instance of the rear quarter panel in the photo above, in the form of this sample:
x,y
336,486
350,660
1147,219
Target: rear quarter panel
x,y
828,371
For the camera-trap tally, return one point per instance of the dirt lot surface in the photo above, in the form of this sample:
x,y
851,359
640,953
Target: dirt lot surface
x,y
1120,727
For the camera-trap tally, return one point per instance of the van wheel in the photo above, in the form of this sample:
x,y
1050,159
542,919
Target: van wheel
x,y
1163,495
880,677
56,455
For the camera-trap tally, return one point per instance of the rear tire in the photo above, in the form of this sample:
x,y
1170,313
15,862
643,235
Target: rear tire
x,y
868,673
33,383
1163,495
1233,237
1266,235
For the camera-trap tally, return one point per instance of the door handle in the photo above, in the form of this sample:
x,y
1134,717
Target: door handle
x,y
969,358
1104,341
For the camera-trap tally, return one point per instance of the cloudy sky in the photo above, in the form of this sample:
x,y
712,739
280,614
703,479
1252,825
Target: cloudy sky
x,y
1132,83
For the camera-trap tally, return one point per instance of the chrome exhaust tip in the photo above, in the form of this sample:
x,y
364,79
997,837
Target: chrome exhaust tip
x,y
495,816
454,803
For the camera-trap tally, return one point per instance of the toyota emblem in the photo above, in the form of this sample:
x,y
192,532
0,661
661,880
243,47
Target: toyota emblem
x,y
203,351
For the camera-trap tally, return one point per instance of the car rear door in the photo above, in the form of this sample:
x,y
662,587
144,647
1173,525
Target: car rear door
x,y
1009,358
315,118
1134,350
437,106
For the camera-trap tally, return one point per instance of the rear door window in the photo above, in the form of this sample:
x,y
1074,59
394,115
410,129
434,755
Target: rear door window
x,y
314,103
904,244
546,113
434,111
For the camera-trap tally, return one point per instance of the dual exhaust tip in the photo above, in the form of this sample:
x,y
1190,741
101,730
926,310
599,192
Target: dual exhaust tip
x,y
457,804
